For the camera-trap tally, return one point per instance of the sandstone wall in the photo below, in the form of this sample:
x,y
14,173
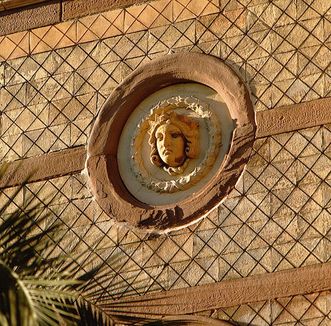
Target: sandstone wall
x,y
53,80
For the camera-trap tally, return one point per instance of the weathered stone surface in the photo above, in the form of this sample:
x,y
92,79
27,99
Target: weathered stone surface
x,y
299,116
31,17
53,164
276,218
72,9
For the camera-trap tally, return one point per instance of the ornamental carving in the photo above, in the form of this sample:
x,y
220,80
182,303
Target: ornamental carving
x,y
170,142
174,139
173,129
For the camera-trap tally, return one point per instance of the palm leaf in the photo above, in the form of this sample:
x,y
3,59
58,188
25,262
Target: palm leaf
x,y
15,304
51,290
92,315
37,288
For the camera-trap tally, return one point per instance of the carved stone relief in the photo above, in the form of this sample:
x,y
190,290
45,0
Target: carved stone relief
x,y
173,129
170,142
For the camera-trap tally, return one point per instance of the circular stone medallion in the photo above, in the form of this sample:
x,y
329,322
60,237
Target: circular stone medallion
x,y
170,142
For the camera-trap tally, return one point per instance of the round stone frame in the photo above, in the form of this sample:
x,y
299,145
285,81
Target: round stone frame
x,y
102,166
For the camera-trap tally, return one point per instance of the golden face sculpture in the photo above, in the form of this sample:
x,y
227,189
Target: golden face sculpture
x,y
170,144
173,140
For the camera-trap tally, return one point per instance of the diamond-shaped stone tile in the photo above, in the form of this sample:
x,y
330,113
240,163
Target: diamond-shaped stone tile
x,y
58,36
14,45
188,9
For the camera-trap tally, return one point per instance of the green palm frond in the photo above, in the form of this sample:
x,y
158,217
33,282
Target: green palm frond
x,y
15,303
38,287
33,281
92,315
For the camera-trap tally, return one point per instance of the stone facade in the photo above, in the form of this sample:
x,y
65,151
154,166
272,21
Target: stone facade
x,y
53,80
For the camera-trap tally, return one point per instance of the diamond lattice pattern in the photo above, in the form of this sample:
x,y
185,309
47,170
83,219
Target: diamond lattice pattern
x,y
54,79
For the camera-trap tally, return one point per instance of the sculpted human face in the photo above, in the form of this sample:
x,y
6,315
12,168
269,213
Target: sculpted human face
x,y
170,145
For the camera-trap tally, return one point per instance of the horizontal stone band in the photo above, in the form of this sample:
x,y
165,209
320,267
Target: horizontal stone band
x,y
43,167
229,293
293,117
72,160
